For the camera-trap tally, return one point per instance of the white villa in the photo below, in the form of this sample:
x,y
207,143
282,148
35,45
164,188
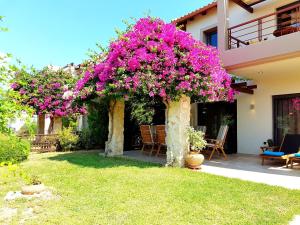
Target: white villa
x,y
258,40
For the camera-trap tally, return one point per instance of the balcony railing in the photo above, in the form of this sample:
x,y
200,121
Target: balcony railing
x,y
265,28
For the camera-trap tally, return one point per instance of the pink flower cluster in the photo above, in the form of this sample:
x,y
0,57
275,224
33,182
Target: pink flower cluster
x,y
158,59
296,104
45,90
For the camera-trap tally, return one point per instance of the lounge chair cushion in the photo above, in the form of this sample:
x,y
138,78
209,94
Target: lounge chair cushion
x,y
297,155
270,153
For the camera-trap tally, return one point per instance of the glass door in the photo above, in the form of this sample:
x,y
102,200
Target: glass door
x,y
286,116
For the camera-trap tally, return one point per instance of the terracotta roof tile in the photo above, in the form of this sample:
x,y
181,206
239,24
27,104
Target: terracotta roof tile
x,y
195,12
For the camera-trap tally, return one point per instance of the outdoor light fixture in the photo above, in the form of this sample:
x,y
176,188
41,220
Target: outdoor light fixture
x,y
252,106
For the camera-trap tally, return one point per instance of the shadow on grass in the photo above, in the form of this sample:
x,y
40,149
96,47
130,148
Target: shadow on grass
x,y
87,159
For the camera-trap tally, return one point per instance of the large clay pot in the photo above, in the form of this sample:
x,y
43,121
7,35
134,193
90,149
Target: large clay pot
x,y
194,160
33,189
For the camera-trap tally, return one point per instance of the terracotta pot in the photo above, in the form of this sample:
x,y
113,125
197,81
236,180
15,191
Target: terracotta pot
x,y
194,160
33,189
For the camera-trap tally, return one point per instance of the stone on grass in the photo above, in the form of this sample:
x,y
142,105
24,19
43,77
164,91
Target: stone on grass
x,y
13,195
7,213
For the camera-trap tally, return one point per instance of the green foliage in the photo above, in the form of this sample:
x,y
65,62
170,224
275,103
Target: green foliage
x,y
15,170
69,121
85,139
68,139
196,139
98,122
13,148
29,128
33,180
142,109
9,108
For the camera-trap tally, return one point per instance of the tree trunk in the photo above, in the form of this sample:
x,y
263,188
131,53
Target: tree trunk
x,y
115,142
177,121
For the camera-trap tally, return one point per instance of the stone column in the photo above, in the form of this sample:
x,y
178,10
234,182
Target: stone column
x,y
57,125
177,121
223,22
41,124
115,141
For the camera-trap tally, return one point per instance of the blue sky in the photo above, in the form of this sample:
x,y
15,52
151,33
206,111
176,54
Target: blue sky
x,y
61,31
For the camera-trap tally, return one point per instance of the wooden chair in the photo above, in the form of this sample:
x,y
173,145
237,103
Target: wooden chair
x,y
201,128
217,145
147,138
161,138
289,146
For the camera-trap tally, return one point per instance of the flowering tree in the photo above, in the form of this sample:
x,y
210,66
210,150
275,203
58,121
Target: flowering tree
x,y
157,59
48,92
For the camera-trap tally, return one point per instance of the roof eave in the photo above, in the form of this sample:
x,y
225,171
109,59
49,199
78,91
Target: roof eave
x,y
190,15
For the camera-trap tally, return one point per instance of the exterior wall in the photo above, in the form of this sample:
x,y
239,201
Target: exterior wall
x,y
253,126
277,47
256,126
236,15
202,23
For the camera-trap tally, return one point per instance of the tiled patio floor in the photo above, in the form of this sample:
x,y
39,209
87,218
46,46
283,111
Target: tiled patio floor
x,y
241,166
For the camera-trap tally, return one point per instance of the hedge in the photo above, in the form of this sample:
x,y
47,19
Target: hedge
x,y
13,149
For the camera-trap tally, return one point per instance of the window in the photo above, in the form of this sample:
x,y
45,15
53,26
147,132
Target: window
x,y
286,116
289,18
211,37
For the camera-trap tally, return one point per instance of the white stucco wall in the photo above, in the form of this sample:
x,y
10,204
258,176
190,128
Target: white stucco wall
x,y
266,50
202,23
279,77
237,15
256,126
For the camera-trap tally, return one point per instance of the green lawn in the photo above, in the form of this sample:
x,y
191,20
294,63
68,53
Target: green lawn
x,y
97,190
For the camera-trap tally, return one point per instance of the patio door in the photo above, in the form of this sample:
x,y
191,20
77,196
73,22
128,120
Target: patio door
x,y
286,116
213,115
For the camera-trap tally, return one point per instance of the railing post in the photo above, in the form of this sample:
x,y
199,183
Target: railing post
x,y
259,30
229,38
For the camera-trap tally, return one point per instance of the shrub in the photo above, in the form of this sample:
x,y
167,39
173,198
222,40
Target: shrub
x,y
85,140
98,122
13,148
67,139
196,139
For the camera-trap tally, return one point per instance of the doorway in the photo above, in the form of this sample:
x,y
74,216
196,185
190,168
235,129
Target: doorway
x,y
213,115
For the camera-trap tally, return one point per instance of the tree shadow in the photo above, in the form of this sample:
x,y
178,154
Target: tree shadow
x,y
96,160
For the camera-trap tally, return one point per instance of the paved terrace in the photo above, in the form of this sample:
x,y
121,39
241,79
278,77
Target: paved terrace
x,y
241,166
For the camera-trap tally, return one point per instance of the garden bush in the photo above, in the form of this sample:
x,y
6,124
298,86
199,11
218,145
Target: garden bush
x,y
85,140
13,149
68,140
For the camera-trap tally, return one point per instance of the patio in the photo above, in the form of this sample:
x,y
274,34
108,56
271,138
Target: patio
x,y
241,166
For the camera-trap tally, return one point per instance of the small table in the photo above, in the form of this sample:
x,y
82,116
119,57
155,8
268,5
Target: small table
x,y
294,159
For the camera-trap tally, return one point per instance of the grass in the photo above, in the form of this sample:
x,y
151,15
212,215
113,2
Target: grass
x,y
97,190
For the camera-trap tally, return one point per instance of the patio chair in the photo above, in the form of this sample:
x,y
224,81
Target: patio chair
x,y
160,138
217,145
201,128
147,138
289,146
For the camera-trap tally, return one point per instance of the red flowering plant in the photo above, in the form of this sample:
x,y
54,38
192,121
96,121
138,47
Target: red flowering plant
x,y
48,91
158,59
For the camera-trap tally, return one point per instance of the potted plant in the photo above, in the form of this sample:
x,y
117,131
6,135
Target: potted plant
x,y
33,186
194,158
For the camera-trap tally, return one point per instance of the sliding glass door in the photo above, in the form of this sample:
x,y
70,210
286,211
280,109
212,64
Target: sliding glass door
x,y
286,116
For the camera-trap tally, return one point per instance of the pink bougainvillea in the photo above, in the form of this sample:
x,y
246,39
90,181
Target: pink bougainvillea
x,y
160,60
48,92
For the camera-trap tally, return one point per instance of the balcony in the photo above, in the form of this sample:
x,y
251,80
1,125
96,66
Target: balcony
x,y
269,27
